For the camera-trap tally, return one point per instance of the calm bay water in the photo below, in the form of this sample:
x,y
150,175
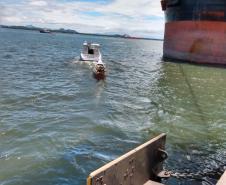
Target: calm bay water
x,y
57,123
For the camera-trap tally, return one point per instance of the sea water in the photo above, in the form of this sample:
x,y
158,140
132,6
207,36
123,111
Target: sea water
x,y
58,124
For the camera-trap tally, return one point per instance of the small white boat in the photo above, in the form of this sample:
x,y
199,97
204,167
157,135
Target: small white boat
x,y
91,52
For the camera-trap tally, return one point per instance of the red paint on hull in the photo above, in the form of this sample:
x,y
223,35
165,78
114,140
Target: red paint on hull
x,y
196,41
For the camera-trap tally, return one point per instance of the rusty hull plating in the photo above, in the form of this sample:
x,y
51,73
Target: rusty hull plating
x,y
195,31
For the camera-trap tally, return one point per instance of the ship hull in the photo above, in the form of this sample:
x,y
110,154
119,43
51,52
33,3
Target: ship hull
x,y
202,42
195,31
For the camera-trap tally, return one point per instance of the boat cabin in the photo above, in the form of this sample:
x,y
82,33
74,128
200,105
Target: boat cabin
x,y
91,49
90,52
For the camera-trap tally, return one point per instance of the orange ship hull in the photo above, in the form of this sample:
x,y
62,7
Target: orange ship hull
x,y
201,42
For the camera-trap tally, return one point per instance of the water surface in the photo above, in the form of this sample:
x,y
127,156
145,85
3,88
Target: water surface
x,y
57,123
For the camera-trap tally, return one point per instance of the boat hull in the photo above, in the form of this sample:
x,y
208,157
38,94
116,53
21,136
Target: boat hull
x,y
99,72
90,58
201,42
99,76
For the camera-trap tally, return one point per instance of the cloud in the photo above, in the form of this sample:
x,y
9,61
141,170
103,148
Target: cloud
x,y
135,17
38,3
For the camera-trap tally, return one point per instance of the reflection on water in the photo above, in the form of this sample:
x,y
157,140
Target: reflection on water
x,y
57,123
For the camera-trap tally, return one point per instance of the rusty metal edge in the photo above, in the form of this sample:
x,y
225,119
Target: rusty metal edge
x,y
89,181
222,180
94,173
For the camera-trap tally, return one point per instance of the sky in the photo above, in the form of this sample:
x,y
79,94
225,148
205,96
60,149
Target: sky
x,y
142,18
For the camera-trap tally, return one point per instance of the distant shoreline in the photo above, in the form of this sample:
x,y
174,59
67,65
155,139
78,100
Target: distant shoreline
x,y
68,31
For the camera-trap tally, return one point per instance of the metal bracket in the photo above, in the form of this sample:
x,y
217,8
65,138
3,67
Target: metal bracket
x,y
162,155
134,167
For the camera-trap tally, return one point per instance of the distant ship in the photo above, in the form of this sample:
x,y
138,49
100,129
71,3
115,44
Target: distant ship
x,y
44,31
195,30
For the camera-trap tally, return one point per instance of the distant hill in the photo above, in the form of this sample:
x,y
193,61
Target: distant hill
x,y
21,27
69,31
30,27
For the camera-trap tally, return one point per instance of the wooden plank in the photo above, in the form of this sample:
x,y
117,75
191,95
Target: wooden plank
x,y
133,168
222,180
